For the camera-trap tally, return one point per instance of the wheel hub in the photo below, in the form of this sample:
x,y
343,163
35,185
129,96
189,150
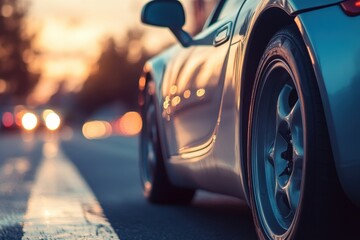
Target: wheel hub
x,y
284,165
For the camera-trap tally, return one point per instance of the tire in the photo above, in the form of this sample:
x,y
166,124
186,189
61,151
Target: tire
x,y
294,189
156,185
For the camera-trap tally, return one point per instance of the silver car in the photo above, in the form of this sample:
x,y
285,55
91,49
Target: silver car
x,y
263,105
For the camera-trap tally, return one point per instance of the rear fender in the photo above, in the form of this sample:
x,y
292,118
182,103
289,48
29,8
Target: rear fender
x,y
333,40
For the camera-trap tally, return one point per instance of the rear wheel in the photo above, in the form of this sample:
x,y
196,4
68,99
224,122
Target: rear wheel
x,y
294,189
156,185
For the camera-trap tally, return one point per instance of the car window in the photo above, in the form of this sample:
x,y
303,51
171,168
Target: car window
x,y
228,8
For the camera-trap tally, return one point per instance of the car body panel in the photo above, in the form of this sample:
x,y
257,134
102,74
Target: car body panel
x,y
192,89
221,161
304,5
200,114
335,52
252,11
214,160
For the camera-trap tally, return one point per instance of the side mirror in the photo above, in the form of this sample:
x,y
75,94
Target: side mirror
x,y
167,14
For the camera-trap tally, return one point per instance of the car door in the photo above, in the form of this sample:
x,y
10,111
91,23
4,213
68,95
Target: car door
x,y
192,97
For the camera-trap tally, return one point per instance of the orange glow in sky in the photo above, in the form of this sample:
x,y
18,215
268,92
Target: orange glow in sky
x,y
69,36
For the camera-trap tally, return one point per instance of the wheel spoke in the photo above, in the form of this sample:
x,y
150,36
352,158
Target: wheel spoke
x,y
283,101
282,201
295,114
295,123
270,155
294,186
296,126
284,172
282,111
269,167
298,153
293,189
279,163
279,192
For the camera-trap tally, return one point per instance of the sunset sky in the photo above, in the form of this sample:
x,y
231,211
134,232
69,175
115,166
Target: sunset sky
x,y
70,34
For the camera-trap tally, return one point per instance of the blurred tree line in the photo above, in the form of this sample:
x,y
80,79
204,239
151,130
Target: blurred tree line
x,y
114,78
15,53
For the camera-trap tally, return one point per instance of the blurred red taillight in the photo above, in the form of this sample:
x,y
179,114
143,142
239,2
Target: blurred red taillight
x,y
8,119
351,7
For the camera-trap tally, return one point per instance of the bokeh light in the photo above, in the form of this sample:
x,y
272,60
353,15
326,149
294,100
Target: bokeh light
x,y
46,112
187,94
129,124
19,113
175,101
52,121
8,119
142,82
7,10
29,121
200,92
96,129
3,86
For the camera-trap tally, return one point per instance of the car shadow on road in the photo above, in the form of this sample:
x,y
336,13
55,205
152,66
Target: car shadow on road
x,y
214,217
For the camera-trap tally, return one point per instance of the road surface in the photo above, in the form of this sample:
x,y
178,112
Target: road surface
x,y
68,187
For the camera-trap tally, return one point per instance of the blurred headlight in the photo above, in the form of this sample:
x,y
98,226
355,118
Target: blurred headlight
x,y
52,121
29,121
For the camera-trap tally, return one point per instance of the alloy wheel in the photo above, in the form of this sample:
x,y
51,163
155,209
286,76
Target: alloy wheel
x,y
277,149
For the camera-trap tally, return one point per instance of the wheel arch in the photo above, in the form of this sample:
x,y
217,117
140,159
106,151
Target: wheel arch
x,y
148,77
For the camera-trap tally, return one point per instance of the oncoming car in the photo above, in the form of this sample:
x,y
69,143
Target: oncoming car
x,y
262,105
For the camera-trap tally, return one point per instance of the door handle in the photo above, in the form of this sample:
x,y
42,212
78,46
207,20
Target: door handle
x,y
222,35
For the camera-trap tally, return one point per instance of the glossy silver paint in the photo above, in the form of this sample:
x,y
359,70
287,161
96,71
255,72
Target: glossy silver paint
x,y
203,133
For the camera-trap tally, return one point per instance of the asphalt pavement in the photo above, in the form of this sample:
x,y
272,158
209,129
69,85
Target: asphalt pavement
x,y
68,187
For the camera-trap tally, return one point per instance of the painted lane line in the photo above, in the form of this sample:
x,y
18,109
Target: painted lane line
x,y
61,205
14,192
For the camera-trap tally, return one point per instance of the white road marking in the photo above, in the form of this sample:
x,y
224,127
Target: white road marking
x,y
61,205
13,192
